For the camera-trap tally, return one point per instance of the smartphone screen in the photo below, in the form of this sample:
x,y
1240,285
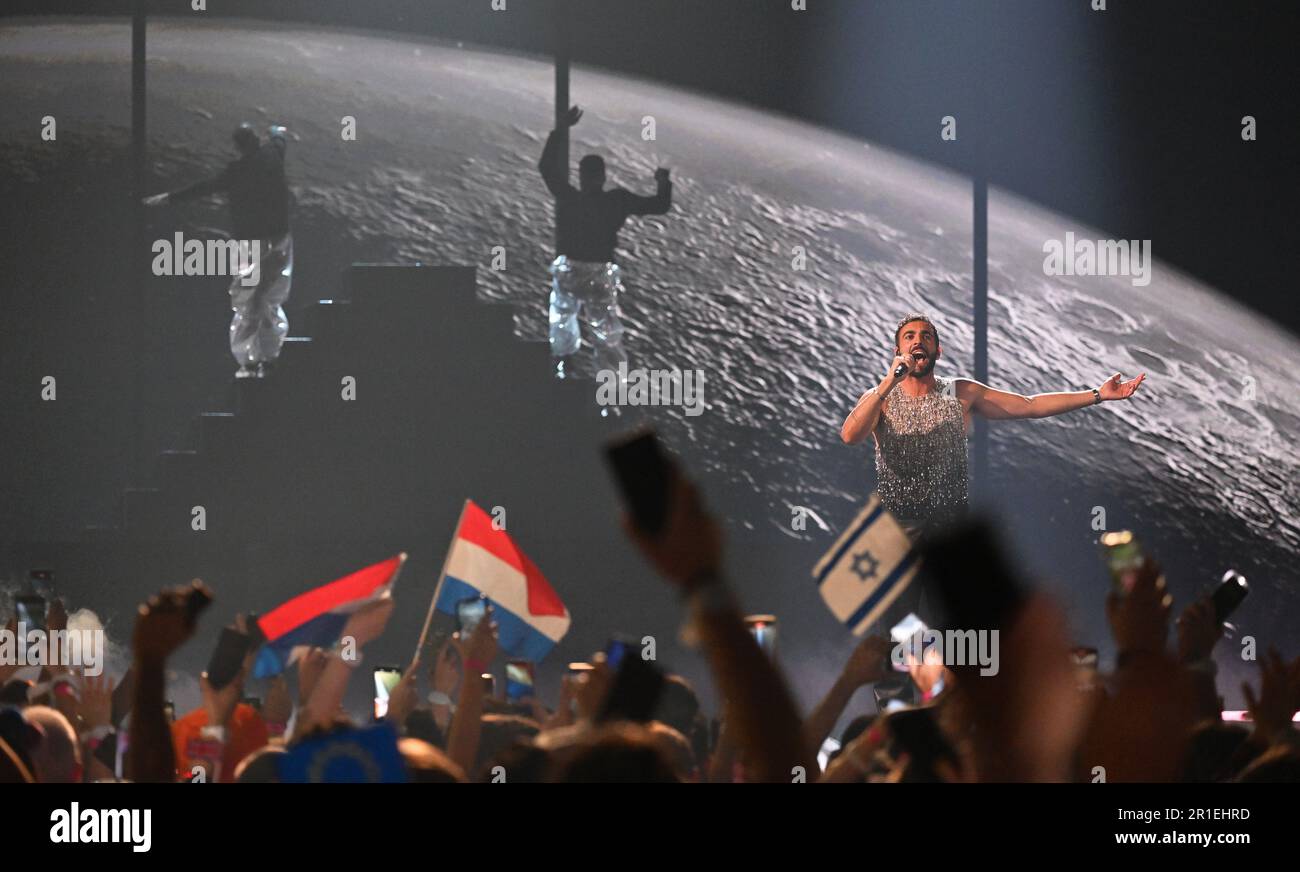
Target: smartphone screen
x,y
1229,594
386,678
644,475
1123,554
519,680
469,612
31,611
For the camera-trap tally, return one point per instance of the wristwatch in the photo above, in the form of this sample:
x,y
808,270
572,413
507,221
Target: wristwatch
x,y
1096,396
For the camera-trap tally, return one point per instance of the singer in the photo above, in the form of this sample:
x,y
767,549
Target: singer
x,y
919,421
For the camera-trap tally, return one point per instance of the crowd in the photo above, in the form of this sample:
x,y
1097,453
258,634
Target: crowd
x,y
1041,716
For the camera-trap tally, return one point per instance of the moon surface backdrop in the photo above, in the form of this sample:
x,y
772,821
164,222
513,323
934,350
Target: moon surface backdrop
x,y
789,255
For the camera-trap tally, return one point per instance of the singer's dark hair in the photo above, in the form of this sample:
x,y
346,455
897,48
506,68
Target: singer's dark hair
x,y
915,317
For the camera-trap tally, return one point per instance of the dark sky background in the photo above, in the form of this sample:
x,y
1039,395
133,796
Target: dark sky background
x,y
1128,120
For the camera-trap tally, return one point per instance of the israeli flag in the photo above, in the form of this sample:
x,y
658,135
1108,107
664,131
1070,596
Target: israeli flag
x,y
867,568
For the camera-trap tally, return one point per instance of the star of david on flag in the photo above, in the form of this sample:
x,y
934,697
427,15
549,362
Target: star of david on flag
x,y
867,568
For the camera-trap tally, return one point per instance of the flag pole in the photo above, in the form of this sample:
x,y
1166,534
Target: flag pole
x,y
437,590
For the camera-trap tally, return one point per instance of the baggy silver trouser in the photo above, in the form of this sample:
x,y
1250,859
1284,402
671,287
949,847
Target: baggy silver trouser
x,y
259,326
586,291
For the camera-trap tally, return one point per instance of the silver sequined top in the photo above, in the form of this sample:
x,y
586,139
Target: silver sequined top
x,y
921,460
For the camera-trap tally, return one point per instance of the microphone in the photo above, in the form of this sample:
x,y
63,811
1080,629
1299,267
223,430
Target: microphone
x,y
901,369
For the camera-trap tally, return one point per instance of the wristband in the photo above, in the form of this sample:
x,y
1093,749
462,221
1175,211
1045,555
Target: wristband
x,y
477,666
1096,396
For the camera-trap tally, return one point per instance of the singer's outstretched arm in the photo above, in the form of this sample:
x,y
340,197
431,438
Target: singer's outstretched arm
x,y
1001,405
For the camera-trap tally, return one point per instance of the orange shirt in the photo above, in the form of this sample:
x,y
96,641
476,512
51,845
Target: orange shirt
x,y
245,733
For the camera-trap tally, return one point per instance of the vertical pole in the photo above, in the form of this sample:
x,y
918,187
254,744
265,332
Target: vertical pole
x,y
980,448
562,48
137,268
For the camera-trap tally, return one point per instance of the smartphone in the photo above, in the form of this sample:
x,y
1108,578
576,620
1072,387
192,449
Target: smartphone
x,y
763,629
1123,554
520,677
227,658
616,649
489,685
903,634
386,678
645,476
42,583
169,709
469,612
1228,595
31,610
634,693
969,572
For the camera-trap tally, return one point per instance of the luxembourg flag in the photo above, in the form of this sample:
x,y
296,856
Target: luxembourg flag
x,y
484,560
317,617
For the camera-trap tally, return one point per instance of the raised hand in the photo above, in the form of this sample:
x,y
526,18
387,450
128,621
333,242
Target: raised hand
x,y
662,174
367,623
690,546
96,705
1198,630
446,670
167,620
480,649
1139,620
1279,695
1115,389
277,707
221,702
573,116
310,666
592,687
867,662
